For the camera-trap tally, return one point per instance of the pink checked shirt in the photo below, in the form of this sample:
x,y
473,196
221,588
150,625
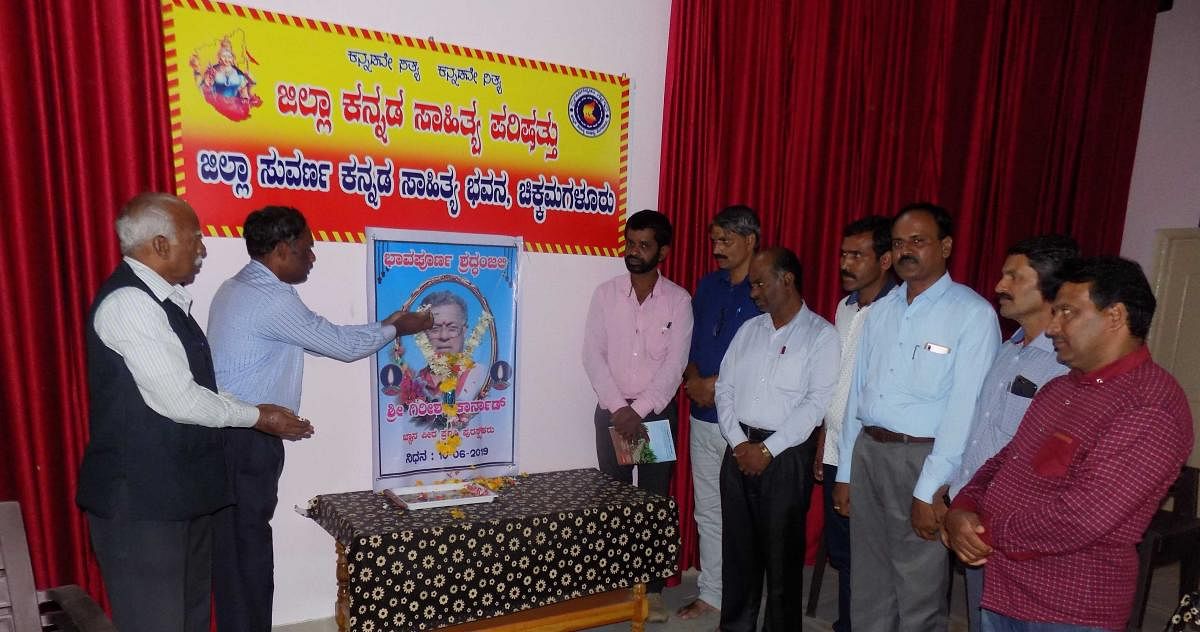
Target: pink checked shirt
x,y
635,351
1066,502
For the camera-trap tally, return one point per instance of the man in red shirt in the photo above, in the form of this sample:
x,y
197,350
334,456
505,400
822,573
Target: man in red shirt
x,y
1057,514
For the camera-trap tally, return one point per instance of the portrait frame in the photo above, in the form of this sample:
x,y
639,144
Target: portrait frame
x,y
423,429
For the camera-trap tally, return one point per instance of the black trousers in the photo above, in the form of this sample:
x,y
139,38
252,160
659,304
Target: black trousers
x,y
763,531
652,477
243,552
158,573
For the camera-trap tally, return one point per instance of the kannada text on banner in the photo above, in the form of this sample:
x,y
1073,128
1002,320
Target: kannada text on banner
x,y
445,398
359,128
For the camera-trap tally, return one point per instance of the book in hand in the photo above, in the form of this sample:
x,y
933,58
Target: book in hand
x,y
442,495
659,448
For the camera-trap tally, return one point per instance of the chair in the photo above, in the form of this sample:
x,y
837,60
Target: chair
x,y
24,609
1173,536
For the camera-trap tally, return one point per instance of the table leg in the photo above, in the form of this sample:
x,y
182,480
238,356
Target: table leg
x,y
640,608
341,610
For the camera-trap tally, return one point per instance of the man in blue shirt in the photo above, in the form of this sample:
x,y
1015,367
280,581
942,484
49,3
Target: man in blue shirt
x,y
259,331
721,304
924,352
1028,282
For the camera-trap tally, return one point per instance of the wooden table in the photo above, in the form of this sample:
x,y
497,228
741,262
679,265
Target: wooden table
x,y
556,551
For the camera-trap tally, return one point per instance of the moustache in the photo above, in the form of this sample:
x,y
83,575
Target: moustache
x,y
848,276
1004,295
908,259
720,257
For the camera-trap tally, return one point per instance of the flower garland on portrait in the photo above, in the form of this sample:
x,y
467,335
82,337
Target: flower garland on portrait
x,y
441,383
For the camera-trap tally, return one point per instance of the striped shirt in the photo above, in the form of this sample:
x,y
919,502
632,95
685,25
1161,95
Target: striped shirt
x,y
1000,409
130,323
1066,502
259,330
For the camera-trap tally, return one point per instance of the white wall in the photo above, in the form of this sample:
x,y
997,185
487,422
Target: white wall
x,y
1165,191
555,401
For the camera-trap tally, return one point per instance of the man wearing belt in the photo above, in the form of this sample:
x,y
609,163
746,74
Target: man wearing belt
x,y
1028,283
773,390
923,355
635,345
722,303
865,265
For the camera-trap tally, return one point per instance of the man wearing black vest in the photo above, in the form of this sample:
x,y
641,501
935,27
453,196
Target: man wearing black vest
x,y
153,472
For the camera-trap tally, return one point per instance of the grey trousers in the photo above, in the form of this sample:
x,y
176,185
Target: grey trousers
x,y
898,581
158,573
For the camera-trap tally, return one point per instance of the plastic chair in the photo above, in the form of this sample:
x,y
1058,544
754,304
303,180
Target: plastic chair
x,y
1173,536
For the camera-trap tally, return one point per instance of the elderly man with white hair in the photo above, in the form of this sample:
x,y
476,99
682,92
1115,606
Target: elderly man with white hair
x,y
153,472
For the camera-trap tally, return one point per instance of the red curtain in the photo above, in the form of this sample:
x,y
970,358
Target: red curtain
x,y
1020,116
83,118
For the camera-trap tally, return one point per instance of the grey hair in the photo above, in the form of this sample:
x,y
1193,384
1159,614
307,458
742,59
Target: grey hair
x,y
143,218
445,297
739,219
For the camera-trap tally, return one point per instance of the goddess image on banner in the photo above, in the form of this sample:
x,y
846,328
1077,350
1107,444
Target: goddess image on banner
x,y
445,397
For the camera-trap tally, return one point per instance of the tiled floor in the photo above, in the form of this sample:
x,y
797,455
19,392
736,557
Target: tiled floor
x,y
1161,604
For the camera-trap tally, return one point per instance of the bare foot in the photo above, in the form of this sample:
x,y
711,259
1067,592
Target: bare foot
x,y
695,610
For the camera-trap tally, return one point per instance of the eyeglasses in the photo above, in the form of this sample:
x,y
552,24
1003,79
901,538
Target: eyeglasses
x,y
449,329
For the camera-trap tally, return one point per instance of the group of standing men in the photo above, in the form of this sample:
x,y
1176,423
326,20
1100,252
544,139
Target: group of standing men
x,y
922,425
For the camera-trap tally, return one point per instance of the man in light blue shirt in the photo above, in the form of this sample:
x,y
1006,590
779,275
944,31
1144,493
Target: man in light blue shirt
x,y
259,331
924,351
1028,282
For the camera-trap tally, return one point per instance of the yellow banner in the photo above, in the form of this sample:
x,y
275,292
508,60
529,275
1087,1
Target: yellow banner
x,y
360,128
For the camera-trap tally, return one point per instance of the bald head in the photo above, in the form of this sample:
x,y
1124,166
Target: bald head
x,y
163,232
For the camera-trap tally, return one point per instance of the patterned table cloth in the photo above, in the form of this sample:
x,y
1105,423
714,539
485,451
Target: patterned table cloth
x,y
547,538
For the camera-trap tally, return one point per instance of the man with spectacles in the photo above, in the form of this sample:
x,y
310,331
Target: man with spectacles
x,y
635,345
924,351
259,330
776,381
448,335
721,304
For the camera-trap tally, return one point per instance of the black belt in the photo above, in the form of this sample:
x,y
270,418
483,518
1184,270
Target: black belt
x,y
883,435
756,434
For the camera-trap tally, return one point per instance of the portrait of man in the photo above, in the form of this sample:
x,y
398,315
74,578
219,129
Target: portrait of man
x,y
446,356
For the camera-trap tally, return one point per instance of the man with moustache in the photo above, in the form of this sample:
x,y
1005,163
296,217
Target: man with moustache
x,y
774,387
1024,363
260,331
721,304
635,347
924,351
1057,514
153,472
865,265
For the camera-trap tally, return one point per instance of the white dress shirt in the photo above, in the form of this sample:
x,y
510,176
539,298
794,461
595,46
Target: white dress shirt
x,y
132,324
778,379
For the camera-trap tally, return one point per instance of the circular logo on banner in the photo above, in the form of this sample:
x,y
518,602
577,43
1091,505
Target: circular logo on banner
x,y
589,112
